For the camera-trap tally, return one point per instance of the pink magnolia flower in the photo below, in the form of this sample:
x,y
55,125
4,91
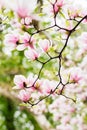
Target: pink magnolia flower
x,y
26,41
20,82
58,5
76,75
23,8
31,54
75,78
44,44
48,86
22,12
77,9
11,40
31,79
73,12
24,95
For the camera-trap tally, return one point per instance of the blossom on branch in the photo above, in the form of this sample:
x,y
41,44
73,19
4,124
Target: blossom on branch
x,y
44,44
31,54
24,95
48,86
26,41
20,82
76,75
58,5
12,40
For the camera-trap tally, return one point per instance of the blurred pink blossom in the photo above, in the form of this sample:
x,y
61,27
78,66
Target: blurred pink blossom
x,y
84,40
12,39
23,8
30,80
74,11
24,95
20,82
44,44
48,86
26,41
65,119
76,75
1,3
58,5
31,54
75,78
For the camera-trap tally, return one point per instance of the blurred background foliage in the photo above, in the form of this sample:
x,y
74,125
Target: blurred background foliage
x,y
14,118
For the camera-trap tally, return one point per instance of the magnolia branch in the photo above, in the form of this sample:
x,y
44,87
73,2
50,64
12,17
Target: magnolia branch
x,y
58,57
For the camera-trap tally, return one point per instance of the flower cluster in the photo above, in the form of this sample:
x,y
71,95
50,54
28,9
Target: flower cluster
x,y
27,86
20,42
